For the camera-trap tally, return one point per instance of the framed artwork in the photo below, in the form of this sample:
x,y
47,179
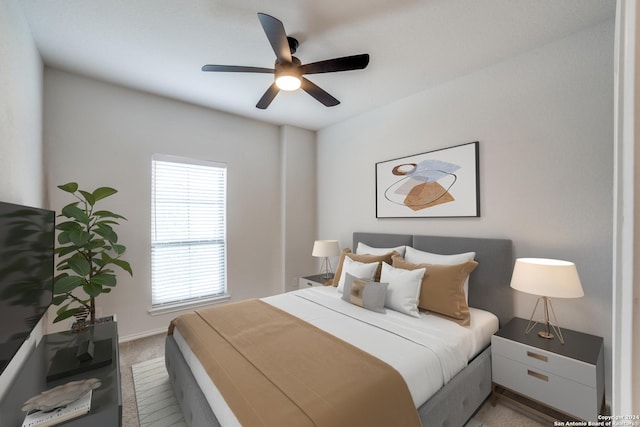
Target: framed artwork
x,y
439,183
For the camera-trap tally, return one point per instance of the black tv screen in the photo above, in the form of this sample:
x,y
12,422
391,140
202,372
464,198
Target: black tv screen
x,y
26,273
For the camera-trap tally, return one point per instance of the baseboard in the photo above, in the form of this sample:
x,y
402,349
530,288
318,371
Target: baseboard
x,y
144,334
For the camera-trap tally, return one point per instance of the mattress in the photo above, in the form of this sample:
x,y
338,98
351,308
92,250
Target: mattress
x,y
426,351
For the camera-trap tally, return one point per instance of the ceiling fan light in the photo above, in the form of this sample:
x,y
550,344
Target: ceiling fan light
x,y
288,82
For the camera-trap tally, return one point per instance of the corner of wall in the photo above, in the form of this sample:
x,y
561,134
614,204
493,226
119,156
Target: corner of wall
x,y
298,189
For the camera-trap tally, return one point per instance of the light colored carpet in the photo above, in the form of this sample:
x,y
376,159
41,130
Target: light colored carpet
x,y
157,405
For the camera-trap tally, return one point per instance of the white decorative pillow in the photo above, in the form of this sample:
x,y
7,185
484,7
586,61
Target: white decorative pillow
x,y
366,249
404,288
415,256
357,269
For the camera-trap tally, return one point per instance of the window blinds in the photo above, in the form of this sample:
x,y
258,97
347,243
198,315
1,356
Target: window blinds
x,y
188,243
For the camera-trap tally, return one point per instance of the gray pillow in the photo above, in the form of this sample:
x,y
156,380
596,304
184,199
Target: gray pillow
x,y
365,293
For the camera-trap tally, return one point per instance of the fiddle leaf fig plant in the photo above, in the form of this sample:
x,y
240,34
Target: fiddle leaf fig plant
x,y
88,252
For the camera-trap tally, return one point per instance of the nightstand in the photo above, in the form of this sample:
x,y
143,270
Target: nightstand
x,y
557,381
315,280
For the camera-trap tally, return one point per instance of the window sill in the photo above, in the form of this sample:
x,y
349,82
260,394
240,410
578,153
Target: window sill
x,y
171,308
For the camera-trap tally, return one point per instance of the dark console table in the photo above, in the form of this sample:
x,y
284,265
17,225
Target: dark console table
x,y
106,402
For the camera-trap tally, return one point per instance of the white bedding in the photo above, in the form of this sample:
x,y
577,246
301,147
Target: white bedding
x,y
427,351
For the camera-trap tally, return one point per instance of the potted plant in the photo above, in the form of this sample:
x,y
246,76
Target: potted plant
x,y
88,251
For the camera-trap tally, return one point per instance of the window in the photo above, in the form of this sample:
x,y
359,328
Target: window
x,y
188,231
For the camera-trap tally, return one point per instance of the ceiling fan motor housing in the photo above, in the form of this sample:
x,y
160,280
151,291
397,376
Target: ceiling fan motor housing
x,y
293,44
288,71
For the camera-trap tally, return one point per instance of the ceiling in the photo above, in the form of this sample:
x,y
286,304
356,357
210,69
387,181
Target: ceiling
x,y
159,46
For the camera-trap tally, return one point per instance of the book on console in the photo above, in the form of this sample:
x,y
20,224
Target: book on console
x,y
78,407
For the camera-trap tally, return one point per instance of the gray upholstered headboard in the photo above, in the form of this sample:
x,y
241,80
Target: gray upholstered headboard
x,y
489,282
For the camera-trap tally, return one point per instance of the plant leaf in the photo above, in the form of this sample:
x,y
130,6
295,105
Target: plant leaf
x,y
59,299
68,226
62,265
103,192
108,214
119,249
67,284
65,250
70,187
123,265
63,238
107,221
107,232
79,238
103,226
67,313
92,289
88,197
63,308
73,211
79,265
104,279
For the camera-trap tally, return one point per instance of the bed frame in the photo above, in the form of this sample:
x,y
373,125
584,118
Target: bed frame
x,y
459,399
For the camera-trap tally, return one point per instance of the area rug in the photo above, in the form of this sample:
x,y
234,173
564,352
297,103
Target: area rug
x,y
157,405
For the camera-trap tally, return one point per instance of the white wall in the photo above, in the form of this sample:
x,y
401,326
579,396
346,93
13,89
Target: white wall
x,y
21,175
544,120
20,110
298,203
103,135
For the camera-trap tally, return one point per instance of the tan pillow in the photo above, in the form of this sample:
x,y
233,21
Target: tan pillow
x,y
364,258
336,278
442,289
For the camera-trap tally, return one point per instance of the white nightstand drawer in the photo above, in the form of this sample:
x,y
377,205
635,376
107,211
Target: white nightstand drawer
x,y
539,359
304,283
317,280
546,387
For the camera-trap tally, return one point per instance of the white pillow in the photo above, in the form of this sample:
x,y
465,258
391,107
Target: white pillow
x,y
415,256
361,270
366,249
404,288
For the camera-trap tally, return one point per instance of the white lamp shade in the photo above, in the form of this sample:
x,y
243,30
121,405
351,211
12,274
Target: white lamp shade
x,y
325,248
547,277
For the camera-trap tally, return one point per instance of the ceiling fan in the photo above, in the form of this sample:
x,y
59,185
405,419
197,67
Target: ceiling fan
x,y
288,69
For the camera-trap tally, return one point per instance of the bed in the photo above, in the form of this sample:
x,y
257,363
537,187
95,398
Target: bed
x,y
452,404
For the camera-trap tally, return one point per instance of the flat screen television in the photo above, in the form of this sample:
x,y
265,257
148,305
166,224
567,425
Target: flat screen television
x,y
27,239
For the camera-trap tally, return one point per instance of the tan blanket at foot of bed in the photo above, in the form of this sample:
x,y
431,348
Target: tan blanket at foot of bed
x,y
274,369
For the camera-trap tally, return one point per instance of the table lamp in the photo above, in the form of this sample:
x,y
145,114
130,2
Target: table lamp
x,y
547,278
324,249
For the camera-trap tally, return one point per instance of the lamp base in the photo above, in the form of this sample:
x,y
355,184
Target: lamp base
x,y
546,334
325,270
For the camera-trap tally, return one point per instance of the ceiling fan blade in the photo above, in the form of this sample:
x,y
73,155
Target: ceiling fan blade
x,y
274,29
318,93
346,63
268,97
237,69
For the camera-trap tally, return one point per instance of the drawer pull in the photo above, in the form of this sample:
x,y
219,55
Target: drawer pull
x,y
537,375
537,356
